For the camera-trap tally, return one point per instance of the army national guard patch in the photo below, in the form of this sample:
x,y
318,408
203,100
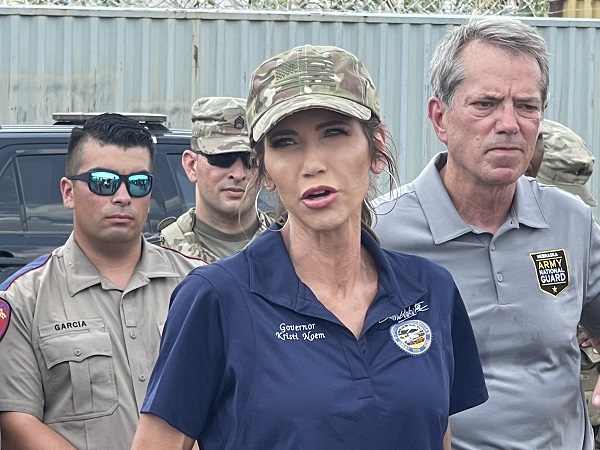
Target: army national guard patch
x,y
4,317
552,271
412,336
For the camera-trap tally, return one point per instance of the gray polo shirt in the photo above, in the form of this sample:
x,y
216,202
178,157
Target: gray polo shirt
x,y
78,351
524,288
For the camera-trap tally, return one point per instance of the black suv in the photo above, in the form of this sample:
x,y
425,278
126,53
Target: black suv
x,y
33,220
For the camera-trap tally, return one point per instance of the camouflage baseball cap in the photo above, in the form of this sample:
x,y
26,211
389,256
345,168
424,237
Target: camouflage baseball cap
x,y
219,125
309,77
567,162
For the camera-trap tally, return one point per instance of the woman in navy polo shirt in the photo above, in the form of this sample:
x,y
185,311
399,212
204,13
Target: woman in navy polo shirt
x,y
313,337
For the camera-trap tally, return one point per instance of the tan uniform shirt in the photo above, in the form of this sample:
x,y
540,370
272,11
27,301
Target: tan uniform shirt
x,y
78,351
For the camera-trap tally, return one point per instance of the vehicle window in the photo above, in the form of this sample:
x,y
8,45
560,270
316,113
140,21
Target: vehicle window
x,y
40,183
10,217
185,187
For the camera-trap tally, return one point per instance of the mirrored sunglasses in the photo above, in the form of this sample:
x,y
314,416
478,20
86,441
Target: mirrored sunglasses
x,y
227,159
105,182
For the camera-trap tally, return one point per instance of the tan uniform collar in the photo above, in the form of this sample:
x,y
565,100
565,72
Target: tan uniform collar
x,y
82,274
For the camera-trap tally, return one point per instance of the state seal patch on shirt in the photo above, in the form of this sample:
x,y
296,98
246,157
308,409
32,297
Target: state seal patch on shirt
x,y
412,336
552,270
4,317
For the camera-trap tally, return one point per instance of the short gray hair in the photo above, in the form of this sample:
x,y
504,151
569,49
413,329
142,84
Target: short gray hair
x,y
512,35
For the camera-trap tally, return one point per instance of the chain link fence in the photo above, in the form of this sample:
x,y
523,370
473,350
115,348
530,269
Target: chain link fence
x,y
530,8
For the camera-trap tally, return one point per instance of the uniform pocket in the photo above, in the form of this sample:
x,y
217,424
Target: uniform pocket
x,y
80,370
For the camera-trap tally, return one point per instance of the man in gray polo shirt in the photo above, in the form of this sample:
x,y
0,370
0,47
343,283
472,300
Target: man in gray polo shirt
x,y
525,257
80,327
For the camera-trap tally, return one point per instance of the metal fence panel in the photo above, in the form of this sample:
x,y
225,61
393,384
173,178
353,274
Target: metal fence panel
x,y
151,60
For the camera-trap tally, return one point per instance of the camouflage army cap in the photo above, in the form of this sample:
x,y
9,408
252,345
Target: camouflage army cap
x,y
219,125
309,77
567,162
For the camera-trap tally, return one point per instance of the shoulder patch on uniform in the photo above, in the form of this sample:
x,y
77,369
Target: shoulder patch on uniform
x,y
40,261
551,270
4,317
166,222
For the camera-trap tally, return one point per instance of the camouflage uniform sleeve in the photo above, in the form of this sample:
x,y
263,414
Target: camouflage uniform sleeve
x,y
179,235
173,230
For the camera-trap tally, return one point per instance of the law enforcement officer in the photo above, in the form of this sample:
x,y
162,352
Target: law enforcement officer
x,y
525,256
81,326
224,218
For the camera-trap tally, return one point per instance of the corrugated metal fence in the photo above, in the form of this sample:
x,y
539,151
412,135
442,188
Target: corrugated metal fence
x,y
109,59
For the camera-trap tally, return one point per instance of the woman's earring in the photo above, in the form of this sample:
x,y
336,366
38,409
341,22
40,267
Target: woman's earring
x,y
256,201
279,222
392,194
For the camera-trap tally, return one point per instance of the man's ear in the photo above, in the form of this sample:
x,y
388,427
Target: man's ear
x,y
66,190
436,111
188,161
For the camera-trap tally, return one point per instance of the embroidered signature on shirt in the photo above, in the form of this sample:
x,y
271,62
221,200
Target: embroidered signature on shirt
x,y
407,313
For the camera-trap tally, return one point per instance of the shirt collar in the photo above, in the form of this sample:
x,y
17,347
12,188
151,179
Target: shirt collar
x,y
82,274
278,282
526,204
444,221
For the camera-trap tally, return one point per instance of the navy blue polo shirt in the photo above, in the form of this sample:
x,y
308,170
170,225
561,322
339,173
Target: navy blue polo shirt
x,y
250,359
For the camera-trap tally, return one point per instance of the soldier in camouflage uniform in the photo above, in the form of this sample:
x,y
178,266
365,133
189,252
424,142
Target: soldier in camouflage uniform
x,y
568,164
224,218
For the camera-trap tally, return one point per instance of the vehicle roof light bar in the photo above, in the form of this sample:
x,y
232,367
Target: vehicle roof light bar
x,y
79,118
